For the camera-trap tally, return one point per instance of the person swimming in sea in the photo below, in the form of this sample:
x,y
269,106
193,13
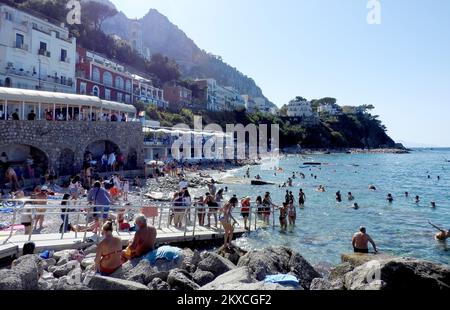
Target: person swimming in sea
x,y
372,188
433,204
417,200
389,198
442,235
406,194
321,189
338,196
350,196
355,206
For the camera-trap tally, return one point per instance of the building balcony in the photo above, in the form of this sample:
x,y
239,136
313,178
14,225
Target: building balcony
x,y
21,46
43,52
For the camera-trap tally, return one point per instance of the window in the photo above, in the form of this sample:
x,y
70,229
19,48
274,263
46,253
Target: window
x,y
96,75
107,94
8,16
107,79
63,55
128,86
96,91
119,97
83,88
127,99
119,82
43,46
19,40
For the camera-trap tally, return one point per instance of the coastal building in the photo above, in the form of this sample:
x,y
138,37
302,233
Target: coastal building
x,y
299,108
145,92
64,128
330,109
136,39
233,99
177,96
101,77
35,53
210,94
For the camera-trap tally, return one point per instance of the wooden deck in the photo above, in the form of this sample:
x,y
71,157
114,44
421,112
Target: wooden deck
x,y
54,242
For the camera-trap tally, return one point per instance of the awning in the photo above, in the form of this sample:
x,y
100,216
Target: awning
x,y
45,97
116,106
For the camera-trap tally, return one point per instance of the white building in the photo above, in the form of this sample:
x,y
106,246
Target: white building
x,y
301,108
144,91
328,108
233,99
34,53
213,103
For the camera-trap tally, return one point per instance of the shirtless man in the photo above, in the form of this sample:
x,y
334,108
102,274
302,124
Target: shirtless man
x,y
108,256
361,240
143,242
442,235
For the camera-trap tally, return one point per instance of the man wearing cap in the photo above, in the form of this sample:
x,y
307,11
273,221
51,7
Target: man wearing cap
x,y
361,241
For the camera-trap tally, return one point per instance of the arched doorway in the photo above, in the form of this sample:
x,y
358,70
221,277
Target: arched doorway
x,y
66,162
131,163
97,148
8,82
20,157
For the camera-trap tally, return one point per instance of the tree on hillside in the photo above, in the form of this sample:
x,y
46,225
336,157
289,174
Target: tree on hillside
x,y
300,98
283,110
164,68
95,13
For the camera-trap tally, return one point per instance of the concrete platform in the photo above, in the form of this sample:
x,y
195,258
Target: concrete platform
x,y
54,242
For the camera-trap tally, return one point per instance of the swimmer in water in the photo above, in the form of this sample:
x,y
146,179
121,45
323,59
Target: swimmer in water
x,y
433,204
390,198
417,200
442,235
350,196
372,188
406,194
355,206
338,196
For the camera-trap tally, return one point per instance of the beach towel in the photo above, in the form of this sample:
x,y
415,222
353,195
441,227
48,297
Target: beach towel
x,y
283,279
166,252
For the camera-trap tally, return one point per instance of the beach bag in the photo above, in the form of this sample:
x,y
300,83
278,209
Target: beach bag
x,y
149,211
166,252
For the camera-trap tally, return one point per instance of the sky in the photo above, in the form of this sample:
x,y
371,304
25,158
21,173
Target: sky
x,y
326,48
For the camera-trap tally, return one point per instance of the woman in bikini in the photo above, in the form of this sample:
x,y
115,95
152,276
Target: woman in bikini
x,y
108,257
226,218
283,215
292,215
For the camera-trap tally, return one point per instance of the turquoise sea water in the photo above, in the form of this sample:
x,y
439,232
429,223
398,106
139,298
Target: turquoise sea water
x,y
325,228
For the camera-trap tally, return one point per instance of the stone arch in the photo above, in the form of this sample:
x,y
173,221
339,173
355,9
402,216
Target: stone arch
x,y
132,159
18,154
98,147
66,162
8,82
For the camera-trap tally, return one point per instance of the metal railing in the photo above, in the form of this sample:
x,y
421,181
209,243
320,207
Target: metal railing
x,y
163,215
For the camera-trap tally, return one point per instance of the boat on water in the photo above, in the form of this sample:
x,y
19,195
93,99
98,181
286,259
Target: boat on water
x,y
312,163
260,182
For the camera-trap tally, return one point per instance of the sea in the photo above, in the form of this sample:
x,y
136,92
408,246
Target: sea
x,y
324,227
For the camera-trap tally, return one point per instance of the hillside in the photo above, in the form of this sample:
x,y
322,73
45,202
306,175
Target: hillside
x,y
162,36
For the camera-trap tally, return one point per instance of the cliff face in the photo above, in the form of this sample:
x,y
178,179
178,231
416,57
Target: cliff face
x,y
162,36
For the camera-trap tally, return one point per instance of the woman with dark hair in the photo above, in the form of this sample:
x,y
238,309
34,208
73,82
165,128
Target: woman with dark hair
x,y
225,219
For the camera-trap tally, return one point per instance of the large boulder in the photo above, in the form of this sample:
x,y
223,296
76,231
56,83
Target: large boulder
x,y
202,277
215,264
237,276
181,279
142,273
279,260
233,254
64,270
190,260
358,259
338,272
28,268
48,263
158,285
320,284
9,280
122,271
399,274
107,283
67,284
90,250
88,261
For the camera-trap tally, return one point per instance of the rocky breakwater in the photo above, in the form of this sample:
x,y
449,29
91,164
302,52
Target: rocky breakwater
x,y
381,272
223,269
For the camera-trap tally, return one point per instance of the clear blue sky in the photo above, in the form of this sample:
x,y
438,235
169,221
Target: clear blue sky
x,y
318,48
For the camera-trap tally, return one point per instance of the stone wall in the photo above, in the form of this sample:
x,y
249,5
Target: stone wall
x,y
72,138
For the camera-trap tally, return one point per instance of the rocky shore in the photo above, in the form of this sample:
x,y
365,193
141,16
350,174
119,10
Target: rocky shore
x,y
233,269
